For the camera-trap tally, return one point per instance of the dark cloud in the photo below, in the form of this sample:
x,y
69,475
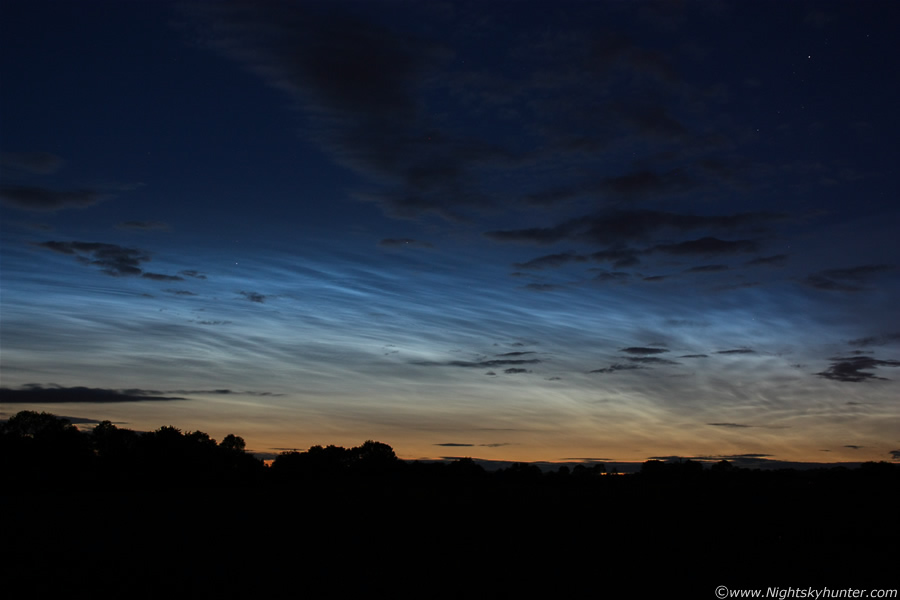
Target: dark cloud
x,y
617,367
642,184
161,277
694,356
478,364
514,371
619,230
654,120
737,286
218,392
461,445
619,276
876,340
713,457
42,199
34,393
895,454
181,292
542,287
730,425
777,260
845,280
643,350
331,60
404,243
114,260
737,351
853,447
192,273
33,163
552,196
253,297
708,246
432,134
651,360
534,235
707,269
360,85
521,353
853,369
618,227
551,261
144,225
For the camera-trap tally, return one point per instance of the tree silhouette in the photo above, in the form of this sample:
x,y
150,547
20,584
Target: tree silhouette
x,y
43,449
38,426
233,443
373,457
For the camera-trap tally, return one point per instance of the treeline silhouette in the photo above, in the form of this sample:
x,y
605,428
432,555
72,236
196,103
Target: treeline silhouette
x,y
179,510
44,450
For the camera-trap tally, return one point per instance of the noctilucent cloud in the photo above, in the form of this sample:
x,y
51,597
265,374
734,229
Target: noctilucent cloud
x,y
507,230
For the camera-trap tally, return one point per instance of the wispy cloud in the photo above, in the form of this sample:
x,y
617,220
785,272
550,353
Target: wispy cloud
x,y
254,297
144,225
876,340
853,279
708,246
776,260
44,199
33,163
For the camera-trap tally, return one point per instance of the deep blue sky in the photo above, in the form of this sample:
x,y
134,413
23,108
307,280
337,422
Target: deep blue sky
x,y
510,230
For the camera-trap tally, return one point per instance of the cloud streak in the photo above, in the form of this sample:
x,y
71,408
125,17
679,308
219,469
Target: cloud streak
x,y
111,259
53,394
853,279
43,199
32,163
854,369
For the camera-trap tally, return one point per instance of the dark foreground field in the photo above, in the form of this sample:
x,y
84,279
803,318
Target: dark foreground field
x,y
190,518
341,539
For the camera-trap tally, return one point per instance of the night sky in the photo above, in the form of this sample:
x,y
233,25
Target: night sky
x,y
507,230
